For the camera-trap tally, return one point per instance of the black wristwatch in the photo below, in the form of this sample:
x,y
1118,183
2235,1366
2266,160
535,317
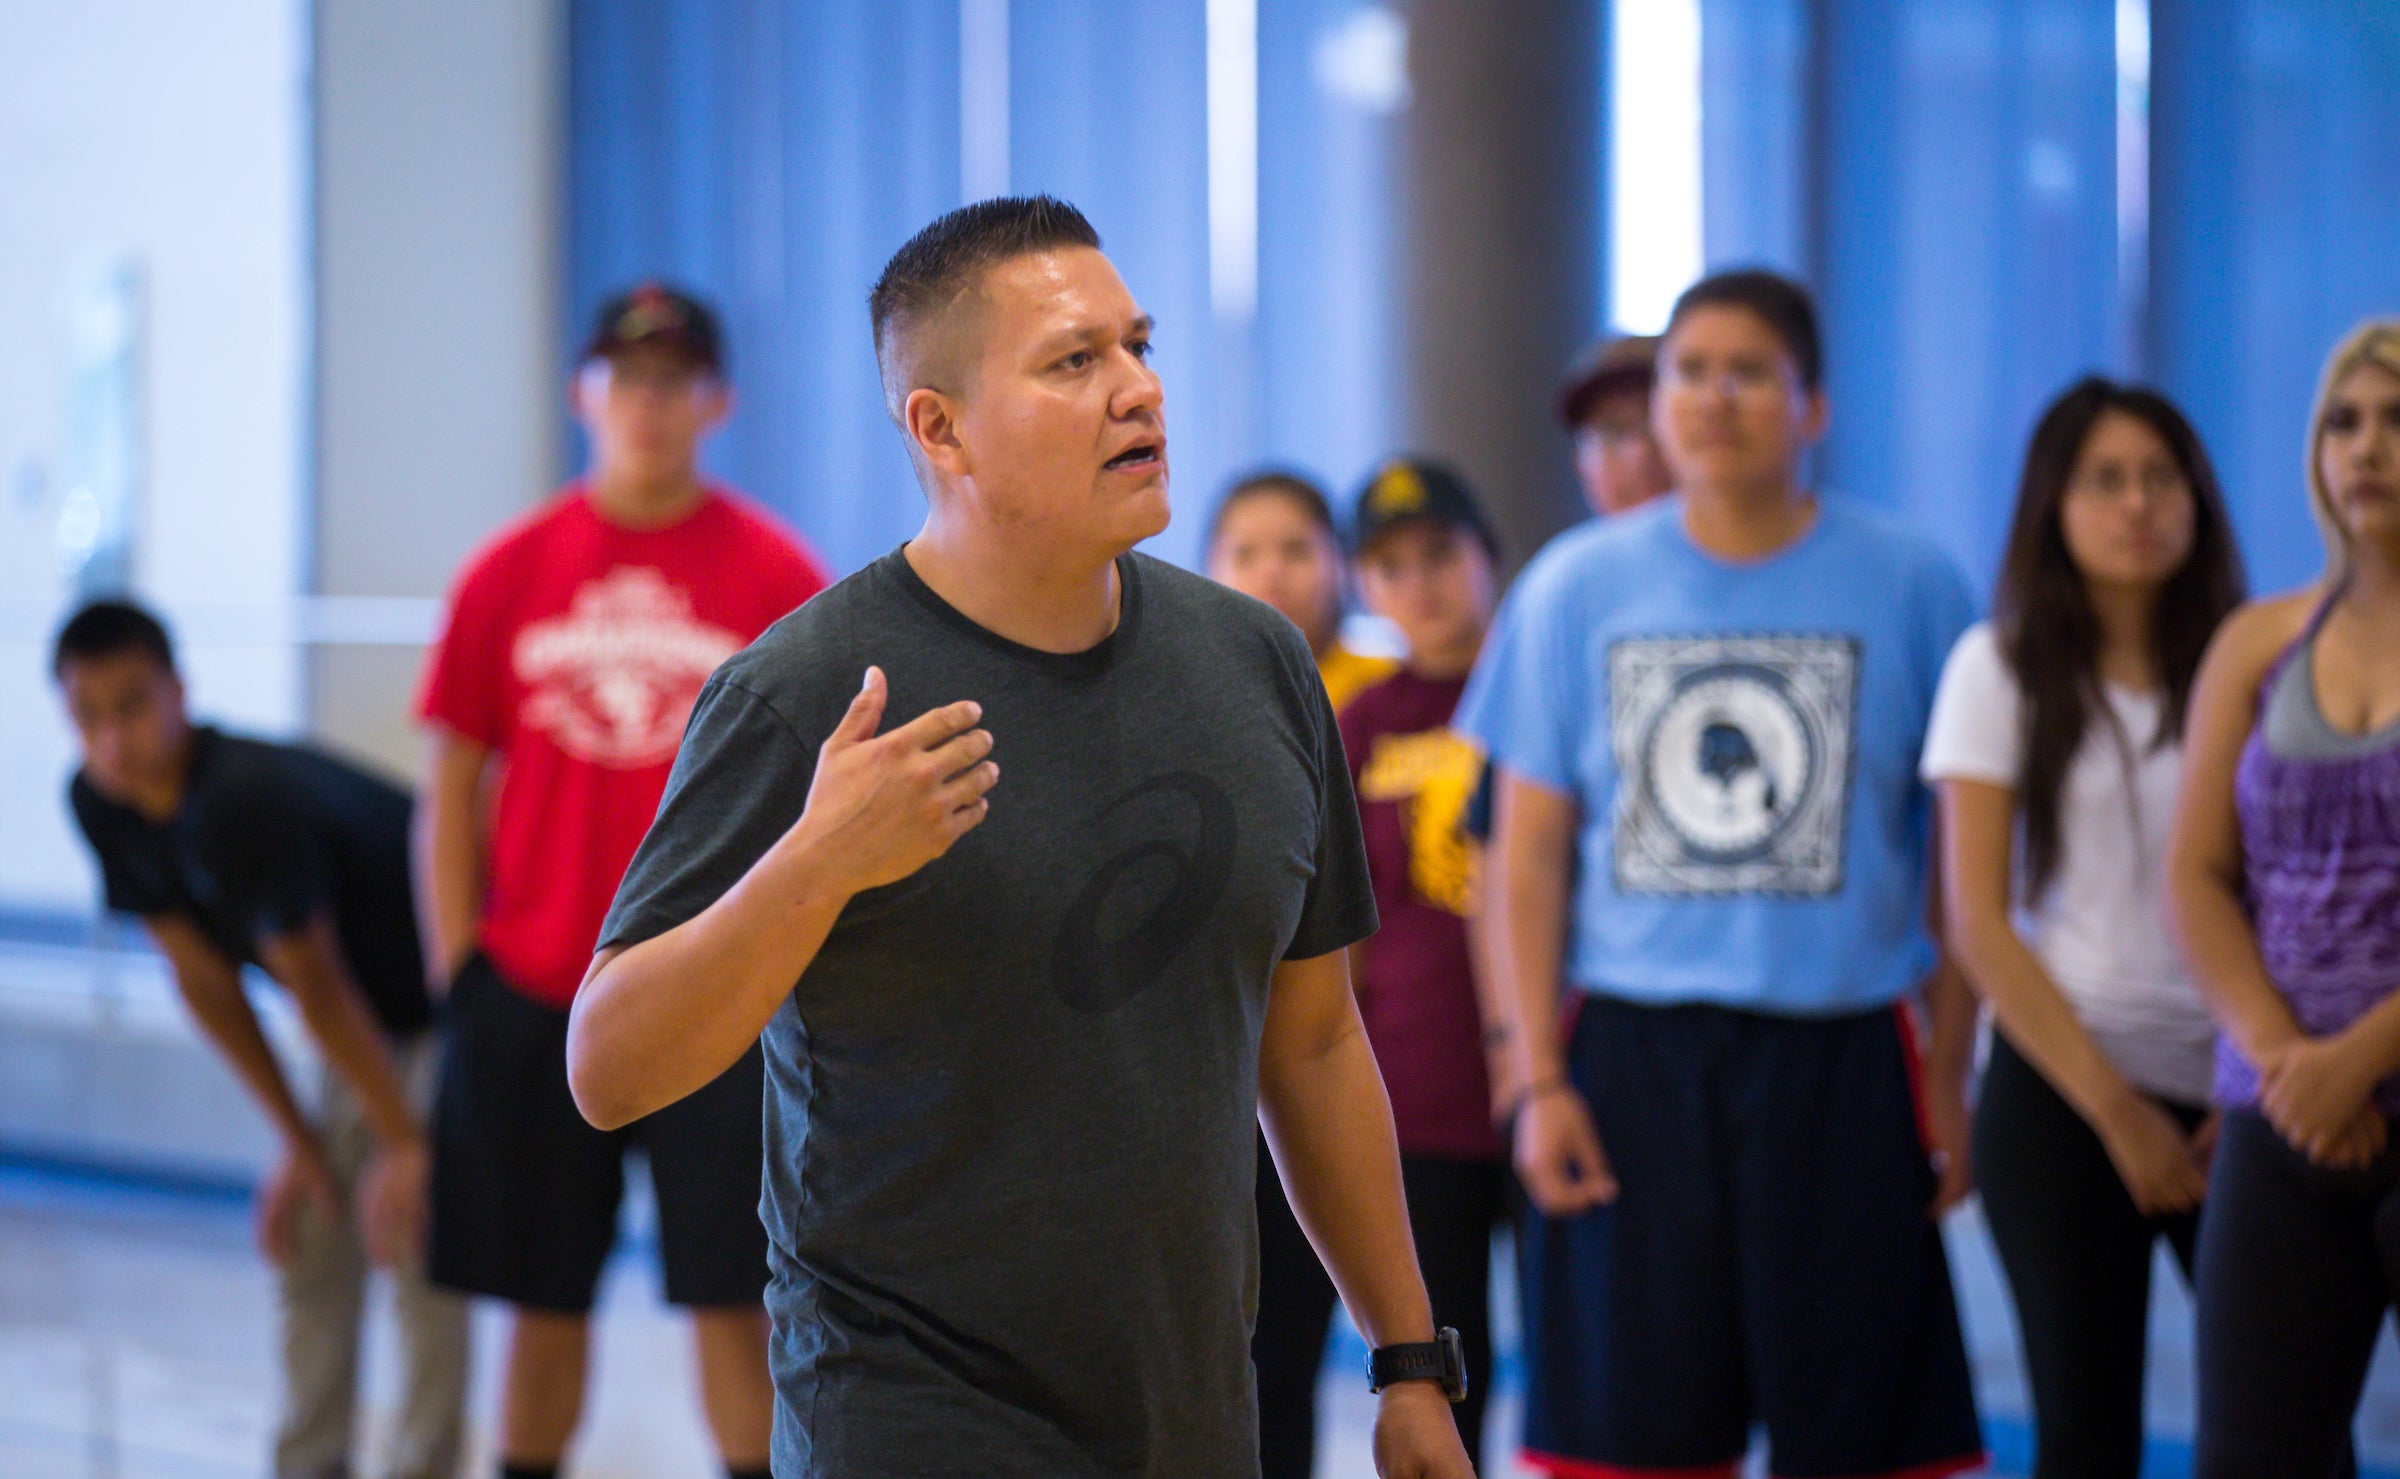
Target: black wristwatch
x,y
1441,1359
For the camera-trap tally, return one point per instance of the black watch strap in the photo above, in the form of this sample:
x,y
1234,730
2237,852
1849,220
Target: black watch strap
x,y
1442,1359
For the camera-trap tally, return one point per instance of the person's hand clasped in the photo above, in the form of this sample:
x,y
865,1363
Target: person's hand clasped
x,y
1558,1152
392,1198
2316,1095
1416,1437
1949,1125
300,1184
881,807
2164,1170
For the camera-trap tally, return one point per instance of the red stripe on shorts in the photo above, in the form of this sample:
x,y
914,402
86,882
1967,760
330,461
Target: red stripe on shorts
x,y
1939,1469
1906,1021
1577,1468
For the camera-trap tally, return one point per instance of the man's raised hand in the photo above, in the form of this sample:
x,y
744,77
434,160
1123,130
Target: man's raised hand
x,y
881,807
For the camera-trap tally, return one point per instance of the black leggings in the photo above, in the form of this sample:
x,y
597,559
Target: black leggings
x,y
2297,1267
2077,1253
1295,1305
1454,1207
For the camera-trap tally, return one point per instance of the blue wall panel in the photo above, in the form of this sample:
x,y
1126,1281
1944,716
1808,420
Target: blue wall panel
x,y
771,156
2276,145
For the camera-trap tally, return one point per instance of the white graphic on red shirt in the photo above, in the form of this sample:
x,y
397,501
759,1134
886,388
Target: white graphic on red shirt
x,y
612,680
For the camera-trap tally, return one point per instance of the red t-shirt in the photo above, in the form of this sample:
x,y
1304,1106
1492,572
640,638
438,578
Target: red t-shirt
x,y
1415,778
574,648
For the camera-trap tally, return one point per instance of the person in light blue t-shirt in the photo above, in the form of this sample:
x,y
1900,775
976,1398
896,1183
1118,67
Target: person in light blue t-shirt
x,y
1706,717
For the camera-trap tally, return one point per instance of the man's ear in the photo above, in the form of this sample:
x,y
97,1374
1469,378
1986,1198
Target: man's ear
x,y
720,405
932,422
1819,419
583,386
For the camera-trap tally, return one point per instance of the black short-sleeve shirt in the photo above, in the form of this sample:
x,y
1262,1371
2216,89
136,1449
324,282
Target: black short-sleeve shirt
x,y
266,837
1011,1105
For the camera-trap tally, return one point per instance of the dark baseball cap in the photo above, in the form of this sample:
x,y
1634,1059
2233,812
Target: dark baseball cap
x,y
1409,488
1628,362
654,314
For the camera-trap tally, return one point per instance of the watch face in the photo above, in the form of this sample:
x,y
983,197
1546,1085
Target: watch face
x,y
1454,1363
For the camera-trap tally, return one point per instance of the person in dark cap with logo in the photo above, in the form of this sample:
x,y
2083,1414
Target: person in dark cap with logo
x,y
575,644
1427,562
1604,400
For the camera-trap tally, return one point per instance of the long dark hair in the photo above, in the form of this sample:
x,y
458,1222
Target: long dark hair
x,y
2042,611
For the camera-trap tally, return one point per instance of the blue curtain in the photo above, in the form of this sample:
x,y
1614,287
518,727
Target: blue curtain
x,y
2276,210
771,156
1108,108
1325,387
1944,172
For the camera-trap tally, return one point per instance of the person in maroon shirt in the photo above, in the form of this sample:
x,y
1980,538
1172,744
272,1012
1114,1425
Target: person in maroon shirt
x,y
575,645
1425,555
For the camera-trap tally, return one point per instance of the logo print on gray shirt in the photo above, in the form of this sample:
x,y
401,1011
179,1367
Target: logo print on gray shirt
x,y
1175,836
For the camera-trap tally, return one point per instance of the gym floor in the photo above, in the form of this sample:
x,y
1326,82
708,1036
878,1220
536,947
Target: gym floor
x,y
137,1342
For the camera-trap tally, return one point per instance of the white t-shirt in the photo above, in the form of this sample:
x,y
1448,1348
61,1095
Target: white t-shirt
x,y
2100,927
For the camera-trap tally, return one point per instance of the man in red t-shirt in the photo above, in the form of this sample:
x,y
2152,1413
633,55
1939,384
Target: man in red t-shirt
x,y
575,645
1425,556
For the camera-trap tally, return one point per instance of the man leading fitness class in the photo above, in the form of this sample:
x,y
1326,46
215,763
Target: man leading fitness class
x,y
1017,1033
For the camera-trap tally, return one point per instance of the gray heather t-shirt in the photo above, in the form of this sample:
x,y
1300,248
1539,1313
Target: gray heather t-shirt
x,y
1011,1104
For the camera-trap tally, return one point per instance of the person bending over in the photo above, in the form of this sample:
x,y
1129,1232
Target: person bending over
x,y
1035,861
235,852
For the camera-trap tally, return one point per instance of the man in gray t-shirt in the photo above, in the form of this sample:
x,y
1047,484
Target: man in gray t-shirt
x,y
1017,1034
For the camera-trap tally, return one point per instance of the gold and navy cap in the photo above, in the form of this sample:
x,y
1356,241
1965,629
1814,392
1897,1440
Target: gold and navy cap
x,y
1410,488
654,314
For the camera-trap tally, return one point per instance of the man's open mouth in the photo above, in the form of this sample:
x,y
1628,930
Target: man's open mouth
x,y
1140,454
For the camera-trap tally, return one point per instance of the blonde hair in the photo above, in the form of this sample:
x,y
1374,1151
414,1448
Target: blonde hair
x,y
2374,342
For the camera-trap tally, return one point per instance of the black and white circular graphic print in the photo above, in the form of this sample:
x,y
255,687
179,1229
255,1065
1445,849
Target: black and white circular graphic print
x,y
1735,762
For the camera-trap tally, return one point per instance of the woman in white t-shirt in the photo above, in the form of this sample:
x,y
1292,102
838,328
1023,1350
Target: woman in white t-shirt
x,y
2055,745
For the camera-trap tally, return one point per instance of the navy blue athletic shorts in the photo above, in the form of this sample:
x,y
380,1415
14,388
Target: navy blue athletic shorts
x,y
1771,1258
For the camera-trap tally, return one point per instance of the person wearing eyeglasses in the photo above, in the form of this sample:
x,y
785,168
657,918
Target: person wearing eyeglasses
x,y
1604,402
1706,716
575,645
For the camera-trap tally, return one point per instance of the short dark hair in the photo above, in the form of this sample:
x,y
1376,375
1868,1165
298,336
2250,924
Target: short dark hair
x,y
1276,482
938,264
106,628
1786,307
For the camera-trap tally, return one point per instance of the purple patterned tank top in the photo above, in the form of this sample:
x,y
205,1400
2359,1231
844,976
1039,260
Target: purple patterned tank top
x,y
2320,823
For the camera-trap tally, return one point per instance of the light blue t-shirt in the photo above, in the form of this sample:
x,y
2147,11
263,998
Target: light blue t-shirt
x,y
1742,740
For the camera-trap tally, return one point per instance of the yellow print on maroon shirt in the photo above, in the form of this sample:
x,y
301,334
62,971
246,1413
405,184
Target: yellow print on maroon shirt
x,y
1433,775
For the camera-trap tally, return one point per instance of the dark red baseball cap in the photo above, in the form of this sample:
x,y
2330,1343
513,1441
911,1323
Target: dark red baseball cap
x,y
652,314
1629,362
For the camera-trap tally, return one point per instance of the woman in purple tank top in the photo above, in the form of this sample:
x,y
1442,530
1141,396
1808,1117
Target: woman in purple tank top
x,y
2285,883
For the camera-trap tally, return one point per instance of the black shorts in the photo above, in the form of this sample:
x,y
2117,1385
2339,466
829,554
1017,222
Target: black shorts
x,y
525,1192
1770,1258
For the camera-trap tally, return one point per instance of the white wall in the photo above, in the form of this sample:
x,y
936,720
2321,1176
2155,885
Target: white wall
x,y
439,184
176,134
346,218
